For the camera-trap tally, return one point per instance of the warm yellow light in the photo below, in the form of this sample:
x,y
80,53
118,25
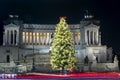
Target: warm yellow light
x,y
37,34
34,34
26,33
23,33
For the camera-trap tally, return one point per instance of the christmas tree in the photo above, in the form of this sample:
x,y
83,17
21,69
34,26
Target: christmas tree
x,y
63,53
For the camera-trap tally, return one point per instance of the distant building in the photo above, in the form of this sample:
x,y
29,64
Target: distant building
x,y
30,44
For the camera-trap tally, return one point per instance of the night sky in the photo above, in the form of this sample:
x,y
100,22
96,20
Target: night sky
x,y
49,11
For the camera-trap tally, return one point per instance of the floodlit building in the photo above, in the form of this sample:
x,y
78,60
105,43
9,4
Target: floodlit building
x,y
29,44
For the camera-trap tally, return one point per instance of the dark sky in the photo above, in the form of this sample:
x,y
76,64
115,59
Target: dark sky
x,y
48,11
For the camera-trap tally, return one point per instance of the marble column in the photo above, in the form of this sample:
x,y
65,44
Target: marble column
x,y
32,38
97,36
89,37
17,37
47,37
42,38
99,39
25,38
46,40
6,38
93,37
86,36
39,37
9,37
50,39
13,37
35,38
28,38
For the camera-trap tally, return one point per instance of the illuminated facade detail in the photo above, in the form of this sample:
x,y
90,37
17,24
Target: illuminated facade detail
x,y
26,39
23,37
30,34
38,38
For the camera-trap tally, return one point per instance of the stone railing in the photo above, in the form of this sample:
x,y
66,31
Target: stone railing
x,y
7,67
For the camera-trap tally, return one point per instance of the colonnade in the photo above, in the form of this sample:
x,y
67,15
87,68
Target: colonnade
x,y
43,38
10,37
92,37
36,38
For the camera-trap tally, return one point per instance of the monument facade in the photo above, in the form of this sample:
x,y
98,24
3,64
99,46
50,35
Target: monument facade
x,y
30,43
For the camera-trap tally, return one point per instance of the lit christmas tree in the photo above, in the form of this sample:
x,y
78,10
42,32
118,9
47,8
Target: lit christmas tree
x,y
63,53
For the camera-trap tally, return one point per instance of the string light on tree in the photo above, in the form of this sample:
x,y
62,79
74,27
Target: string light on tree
x,y
63,53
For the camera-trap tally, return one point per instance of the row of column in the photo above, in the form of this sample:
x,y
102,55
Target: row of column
x,y
10,37
36,38
92,37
